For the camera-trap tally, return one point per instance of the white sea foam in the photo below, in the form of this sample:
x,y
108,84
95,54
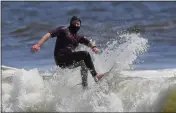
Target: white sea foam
x,y
26,90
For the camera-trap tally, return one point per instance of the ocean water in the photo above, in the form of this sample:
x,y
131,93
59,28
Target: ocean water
x,y
139,37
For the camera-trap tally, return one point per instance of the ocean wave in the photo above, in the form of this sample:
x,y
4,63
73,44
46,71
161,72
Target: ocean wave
x,y
127,91
31,90
73,12
31,29
155,27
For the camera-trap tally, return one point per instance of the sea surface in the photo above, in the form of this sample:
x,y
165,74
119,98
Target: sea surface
x,y
138,37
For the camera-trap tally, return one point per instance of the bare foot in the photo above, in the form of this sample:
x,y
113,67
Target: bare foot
x,y
98,77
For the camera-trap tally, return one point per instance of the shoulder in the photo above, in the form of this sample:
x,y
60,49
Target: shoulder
x,y
62,28
57,31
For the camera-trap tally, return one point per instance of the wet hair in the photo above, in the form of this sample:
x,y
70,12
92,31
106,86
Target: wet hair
x,y
75,18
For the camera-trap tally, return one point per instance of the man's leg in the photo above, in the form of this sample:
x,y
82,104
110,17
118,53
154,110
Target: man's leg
x,y
84,73
75,59
69,59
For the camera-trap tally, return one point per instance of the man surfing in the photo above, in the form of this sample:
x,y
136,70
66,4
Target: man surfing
x,y
64,53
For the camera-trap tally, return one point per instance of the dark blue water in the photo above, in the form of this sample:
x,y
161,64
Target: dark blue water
x,y
24,23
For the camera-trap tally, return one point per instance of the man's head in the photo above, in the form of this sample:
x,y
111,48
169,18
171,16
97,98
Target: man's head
x,y
75,24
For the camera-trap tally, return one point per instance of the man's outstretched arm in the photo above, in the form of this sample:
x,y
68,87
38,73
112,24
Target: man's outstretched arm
x,y
53,33
37,46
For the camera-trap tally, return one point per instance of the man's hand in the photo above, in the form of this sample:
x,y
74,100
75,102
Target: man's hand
x,y
95,50
35,48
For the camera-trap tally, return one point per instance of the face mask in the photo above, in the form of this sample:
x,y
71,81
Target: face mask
x,y
74,29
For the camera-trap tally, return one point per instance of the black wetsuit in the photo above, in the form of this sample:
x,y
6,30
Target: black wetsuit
x,y
64,53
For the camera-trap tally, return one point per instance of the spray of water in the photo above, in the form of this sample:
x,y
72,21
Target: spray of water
x,y
28,91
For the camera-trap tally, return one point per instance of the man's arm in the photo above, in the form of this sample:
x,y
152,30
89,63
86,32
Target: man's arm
x,y
85,41
53,33
37,46
44,39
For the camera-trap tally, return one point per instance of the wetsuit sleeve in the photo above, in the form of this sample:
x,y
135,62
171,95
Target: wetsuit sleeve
x,y
83,40
55,32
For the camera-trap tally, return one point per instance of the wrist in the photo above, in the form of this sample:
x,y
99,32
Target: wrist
x,y
38,44
93,47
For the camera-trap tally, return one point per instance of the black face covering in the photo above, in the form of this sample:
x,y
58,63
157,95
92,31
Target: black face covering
x,y
74,29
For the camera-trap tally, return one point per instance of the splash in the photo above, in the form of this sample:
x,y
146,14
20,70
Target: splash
x,y
122,54
28,91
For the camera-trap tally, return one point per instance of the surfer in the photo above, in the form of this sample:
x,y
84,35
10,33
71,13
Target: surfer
x,y
65,55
